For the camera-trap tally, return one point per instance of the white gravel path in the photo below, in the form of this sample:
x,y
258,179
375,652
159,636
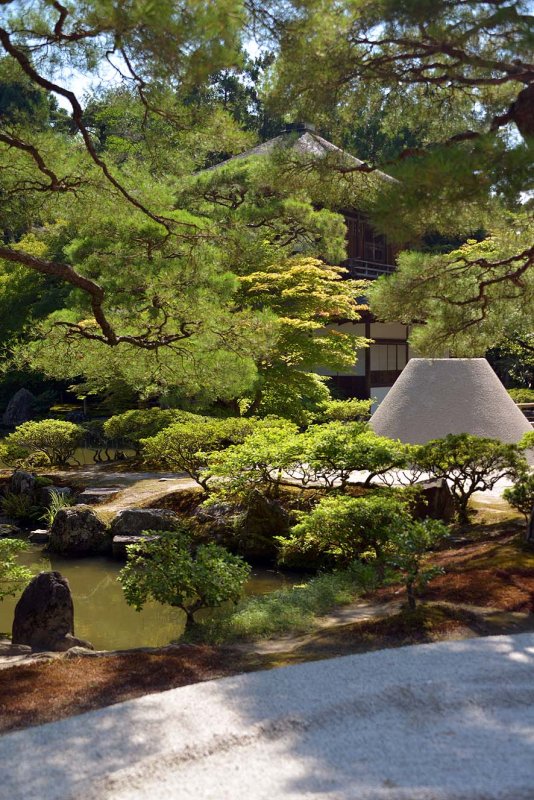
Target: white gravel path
x,y
447,720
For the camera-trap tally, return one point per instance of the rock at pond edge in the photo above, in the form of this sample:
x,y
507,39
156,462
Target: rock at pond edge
x,y
78,531
44,615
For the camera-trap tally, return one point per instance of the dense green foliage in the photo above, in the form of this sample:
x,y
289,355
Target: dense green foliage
x,y
352,410
165,567
184,446
409,545
330,452
132,426
443,92
13,577
513,360
522,395
276,453
343,528
259,462
444,290
133,262
469,464
303,293
527,441
51,439
521,494
21,507
161,276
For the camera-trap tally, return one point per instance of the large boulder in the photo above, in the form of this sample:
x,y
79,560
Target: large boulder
x,y
435,500
98,494
261,520
45,493
220,518
22,482
19,409
44,615
129,526
133,521
77,531
247,529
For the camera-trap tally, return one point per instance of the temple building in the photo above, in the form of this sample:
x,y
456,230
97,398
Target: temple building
x,y
369,255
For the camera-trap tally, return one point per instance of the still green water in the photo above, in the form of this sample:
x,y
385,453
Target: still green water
x,y
101,614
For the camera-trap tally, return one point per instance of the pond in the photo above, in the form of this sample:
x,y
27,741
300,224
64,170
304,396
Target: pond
x,y
101,614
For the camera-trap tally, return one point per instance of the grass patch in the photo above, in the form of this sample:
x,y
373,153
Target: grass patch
x,y
288,610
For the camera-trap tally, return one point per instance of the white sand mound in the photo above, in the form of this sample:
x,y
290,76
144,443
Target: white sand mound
x,y
436,396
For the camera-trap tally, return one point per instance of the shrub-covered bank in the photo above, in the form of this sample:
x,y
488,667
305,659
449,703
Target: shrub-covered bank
x,y
269,491
288,610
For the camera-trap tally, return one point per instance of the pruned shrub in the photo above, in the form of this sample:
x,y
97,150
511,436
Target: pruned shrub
x,y
352,410
324,455
258,462
527,441
469,464
132,426
185,446
408,545
54,441
329,453
522,395
521,495
341,529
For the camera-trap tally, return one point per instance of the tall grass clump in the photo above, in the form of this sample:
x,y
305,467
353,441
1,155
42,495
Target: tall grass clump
x,y
56,502
289,610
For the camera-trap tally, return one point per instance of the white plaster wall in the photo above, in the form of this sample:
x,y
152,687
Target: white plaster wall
x,y
355,328
388,330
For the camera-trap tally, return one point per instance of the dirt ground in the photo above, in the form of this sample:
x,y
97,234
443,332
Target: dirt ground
x,y
34,693
496,571
487,588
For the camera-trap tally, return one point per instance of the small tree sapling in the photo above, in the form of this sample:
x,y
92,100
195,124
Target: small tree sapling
x,y
166,567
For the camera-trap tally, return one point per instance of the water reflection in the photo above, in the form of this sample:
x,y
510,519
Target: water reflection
x,y
85,456
101,614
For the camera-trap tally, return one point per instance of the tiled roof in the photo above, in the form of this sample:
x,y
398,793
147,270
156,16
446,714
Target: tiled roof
x,y
306,143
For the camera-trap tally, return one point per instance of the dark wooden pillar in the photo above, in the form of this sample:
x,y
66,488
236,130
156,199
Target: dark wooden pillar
x,y
368,360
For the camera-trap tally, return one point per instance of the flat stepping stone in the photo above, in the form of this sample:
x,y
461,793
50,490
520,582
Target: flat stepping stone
x,y
120,543
39,536
98,494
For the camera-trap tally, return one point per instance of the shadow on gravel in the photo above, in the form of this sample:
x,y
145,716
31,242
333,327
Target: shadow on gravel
x,y
450,719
